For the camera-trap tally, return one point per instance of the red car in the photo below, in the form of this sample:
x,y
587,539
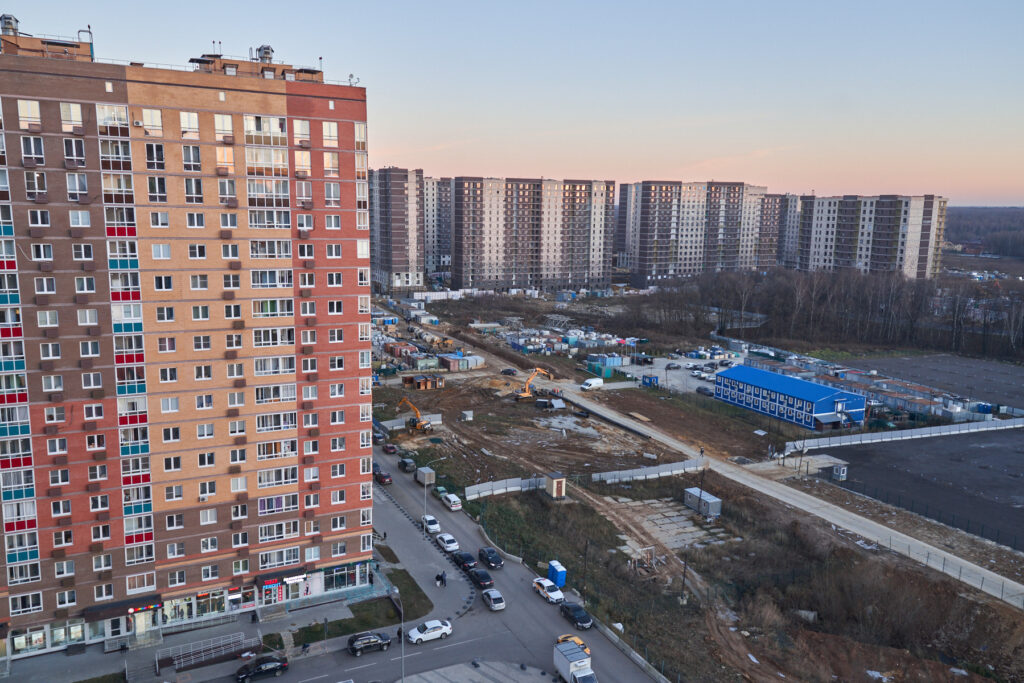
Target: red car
x,y
382,478
390,448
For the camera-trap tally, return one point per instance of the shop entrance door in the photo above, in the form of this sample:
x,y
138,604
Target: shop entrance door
x,y
270,594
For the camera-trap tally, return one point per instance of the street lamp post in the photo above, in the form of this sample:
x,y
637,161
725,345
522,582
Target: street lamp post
x,y
401,615
425,485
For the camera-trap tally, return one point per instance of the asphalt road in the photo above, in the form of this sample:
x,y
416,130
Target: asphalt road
x,y
524,633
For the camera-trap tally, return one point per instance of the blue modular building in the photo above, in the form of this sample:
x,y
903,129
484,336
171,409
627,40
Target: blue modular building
x,y
810,405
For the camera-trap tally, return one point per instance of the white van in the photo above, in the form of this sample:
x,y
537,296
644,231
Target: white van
x,y
451,501
592,383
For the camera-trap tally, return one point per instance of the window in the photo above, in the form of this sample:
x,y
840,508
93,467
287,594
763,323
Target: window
x,y
45,285
332,222
89,349
81,252
163,283
175,521
97,472
74,151
64,568
190,158
85,285
30,602
70,116
168,374
176,577
154,156
189,125
229,251
28,114
165,314
152,122
210,572
175,550
157,189
338,497
208,544
92,380
99,503
240,567
201,313
204,431
193,191
101,532
222,124
159,219
47,318
332,194
60,508
167,345
337,470
338,549
330,129
49,350
338,523
208,517
52,383
203,372
140,583
331,167
173,492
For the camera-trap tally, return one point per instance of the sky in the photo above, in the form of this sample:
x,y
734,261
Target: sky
x,y
869,97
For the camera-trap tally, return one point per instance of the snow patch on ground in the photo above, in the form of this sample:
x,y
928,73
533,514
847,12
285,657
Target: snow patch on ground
x,y
570,424
753,658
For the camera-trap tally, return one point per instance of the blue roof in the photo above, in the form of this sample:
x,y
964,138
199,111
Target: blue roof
x,y
791,386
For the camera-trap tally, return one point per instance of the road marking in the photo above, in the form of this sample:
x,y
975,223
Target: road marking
x,y
356,668
306,680
395,659
465,642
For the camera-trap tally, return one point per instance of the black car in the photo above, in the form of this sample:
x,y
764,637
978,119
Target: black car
x,y
491,558
376,468
271,665
481,578
574,612
463,561
511,372
706,391
368,642
673,366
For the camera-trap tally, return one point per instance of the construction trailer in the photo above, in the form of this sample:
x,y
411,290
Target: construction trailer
x,y
703,502
423,382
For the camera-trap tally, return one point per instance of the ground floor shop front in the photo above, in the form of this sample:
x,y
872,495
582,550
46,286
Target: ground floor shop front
x,y
135,618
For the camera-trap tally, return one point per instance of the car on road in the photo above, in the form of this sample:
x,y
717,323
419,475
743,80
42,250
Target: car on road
x,y
724,363
407,465
547,590
690,366
708,377
674,356
673,366
707,391
368,641
390,448
430,630
490,557
696,373
447,543
574,612
382,478
573,638
511,372
376,468
464,561
451,501
438,491
493,599
261,667
480,578
430,524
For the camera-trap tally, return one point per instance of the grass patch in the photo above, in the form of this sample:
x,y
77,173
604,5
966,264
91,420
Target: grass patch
x,y
387,553
273,641
116,677
372,614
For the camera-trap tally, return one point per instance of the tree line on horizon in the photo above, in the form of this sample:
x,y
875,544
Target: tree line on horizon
x,y
999,229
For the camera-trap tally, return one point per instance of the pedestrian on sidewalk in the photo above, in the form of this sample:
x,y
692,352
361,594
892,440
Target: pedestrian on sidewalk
x,y
444,579
437,580
399,632
305,648
385,535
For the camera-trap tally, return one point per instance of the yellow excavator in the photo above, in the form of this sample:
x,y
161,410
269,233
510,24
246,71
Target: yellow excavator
x,y
417,423
526,393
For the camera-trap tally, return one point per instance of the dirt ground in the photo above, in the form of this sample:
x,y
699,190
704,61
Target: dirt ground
x,y
997,558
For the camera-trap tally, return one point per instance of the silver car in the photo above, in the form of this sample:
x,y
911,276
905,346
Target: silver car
x,y
493,599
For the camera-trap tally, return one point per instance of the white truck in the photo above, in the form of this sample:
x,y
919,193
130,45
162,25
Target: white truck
x,y
573,664
425,476
591,384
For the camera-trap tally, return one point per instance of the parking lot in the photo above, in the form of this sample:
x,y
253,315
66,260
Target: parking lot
x,y
987,380
676,380
973,479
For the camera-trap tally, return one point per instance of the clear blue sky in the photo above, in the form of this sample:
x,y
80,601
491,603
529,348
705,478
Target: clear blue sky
x,y
861,97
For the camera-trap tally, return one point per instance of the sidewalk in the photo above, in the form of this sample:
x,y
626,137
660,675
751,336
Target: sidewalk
x,y
498,672
403,539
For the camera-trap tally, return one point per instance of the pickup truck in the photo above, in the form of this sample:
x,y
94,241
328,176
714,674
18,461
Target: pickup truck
x,y
573,664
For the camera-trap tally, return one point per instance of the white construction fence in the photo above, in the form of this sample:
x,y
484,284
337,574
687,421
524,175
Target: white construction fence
x,y
495,488
901,434
656,472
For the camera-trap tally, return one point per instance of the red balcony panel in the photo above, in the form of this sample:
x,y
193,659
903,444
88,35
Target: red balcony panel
x,y
9,265
11,333
124,231
138,419
126,296
129,358
19,397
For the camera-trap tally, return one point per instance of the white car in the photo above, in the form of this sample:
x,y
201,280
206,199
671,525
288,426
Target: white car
x,y
430,524
548,591
430,630
690,366
447,543
493,599
695,373
451,501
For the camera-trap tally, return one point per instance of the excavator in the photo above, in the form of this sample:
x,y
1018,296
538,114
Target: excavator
x,y
526,393
417,423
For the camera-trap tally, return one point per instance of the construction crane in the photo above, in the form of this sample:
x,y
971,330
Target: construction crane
x,y
417,422
526,393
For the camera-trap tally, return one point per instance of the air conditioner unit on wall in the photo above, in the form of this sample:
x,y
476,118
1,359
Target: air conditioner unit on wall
x,y
203,499
137,124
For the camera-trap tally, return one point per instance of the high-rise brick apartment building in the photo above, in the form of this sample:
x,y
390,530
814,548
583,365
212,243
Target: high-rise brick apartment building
x,y
185,308
780,214
397,220
876,234
523,233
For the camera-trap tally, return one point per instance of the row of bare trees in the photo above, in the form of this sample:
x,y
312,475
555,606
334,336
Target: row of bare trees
x,y
790,308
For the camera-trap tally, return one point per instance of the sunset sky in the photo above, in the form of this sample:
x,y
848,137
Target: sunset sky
x,y
865,97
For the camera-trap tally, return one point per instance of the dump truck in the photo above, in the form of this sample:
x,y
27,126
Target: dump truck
x,y
573,664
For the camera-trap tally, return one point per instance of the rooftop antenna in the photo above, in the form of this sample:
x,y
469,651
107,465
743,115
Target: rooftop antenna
x,y
321,63
214,44
220,47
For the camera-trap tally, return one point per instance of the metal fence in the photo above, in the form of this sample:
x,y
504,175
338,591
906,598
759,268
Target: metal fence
x,y
494,488
654,472
191,654
900,435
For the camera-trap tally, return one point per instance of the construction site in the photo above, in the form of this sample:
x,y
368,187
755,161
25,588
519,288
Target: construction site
x,y
760,592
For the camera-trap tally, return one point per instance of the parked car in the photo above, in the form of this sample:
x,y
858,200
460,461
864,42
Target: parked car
x,y
547,590
407,465
574,612
573,638
378,439
480,578
696,373
493,599
690,366
368,642
674,356
673,366
490,558
430,630
707,391
582,413
724,363
447,543
430,524
270,665
438,491
511,372
390,448
382,478
708,377
451,501
464,561
376,468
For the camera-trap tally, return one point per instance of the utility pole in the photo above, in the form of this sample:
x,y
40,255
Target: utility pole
x,y
586,558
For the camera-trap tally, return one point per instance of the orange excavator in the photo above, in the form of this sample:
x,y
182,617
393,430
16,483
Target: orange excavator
x,y
417,423
526,393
